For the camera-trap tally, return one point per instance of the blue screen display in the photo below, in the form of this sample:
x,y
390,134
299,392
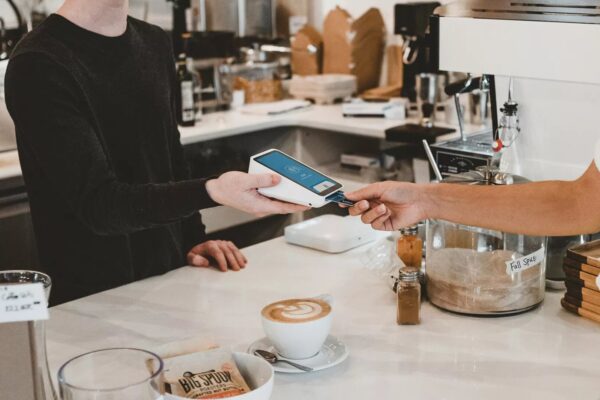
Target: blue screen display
x,y
297,172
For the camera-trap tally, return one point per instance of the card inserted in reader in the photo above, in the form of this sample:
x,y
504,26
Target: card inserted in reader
x,y
300,184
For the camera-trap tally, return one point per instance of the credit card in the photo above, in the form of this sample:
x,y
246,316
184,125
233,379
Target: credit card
x,y
340,198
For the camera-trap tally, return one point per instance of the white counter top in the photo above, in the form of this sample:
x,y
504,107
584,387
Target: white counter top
x,y
544,354
229,123
325,117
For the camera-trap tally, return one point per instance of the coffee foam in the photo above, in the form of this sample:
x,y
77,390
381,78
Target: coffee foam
x,y
296,310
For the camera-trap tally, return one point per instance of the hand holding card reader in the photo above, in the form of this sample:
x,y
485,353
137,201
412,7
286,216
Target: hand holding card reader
x,y
300,184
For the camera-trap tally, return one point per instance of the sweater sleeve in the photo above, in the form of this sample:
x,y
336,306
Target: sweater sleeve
x,y
194,230
49,111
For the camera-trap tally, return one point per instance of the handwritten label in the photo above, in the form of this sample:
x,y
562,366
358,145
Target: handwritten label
x,y
24,302
524,263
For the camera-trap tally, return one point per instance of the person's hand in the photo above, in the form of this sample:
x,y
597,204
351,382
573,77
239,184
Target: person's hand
x,y
239,190
221,254
389,206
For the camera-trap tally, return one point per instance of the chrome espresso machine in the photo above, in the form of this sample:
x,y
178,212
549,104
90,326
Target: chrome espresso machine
x,y
540,63
548,55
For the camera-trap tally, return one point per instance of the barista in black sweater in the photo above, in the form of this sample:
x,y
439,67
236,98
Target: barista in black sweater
x,y
91,93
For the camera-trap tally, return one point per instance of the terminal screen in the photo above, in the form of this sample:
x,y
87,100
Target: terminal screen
x,y
298,173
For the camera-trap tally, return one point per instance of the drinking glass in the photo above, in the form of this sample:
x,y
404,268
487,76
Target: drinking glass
x,y
111,374
42,384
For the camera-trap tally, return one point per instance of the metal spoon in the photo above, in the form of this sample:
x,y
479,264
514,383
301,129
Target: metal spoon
x,y
272,359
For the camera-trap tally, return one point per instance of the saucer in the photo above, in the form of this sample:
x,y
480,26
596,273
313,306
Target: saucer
x,y
333,352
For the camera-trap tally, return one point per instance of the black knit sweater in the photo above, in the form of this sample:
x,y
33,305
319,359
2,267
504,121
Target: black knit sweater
x,y
110,195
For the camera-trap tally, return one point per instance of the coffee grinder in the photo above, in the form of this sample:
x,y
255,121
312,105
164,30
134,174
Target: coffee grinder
x,y
421,80
411,22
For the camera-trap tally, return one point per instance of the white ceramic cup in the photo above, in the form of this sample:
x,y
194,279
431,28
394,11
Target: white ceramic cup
x,y
299,340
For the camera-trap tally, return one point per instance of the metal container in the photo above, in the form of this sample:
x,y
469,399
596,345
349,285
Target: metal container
x,y
557,251
244,17
479,271
427,87
480,108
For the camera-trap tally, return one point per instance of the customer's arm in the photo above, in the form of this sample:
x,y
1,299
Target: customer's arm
x,y
50,116
546,208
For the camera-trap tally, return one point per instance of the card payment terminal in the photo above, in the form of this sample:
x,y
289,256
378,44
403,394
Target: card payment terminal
x,y
300,184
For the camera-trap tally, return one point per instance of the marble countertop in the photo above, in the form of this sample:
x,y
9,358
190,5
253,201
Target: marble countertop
x,y
325,117
543,354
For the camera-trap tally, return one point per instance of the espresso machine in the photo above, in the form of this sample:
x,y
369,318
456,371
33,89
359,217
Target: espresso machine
x,y
474,150
544,59
550,52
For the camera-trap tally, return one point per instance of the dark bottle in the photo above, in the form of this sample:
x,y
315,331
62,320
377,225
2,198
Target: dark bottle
x,y
187,49
186,115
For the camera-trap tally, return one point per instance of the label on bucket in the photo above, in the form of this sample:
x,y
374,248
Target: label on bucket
x,y
23,302
524,263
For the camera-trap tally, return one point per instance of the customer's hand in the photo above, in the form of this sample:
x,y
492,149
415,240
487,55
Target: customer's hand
x,y
239,190
220,254
389,206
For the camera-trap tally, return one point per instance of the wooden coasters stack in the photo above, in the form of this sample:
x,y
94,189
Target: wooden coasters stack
x,y
582,269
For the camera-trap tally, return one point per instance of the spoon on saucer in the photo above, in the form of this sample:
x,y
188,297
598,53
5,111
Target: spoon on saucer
x,y
272,359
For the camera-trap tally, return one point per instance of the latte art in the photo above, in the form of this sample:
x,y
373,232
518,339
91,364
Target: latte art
x,y
297,310
300,310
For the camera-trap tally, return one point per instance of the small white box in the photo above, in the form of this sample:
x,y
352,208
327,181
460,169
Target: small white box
x,y
323,89
330,233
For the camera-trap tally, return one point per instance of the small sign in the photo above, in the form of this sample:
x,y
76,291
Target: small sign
x,y
524,263
23,302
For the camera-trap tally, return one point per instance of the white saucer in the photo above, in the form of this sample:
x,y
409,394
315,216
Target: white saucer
x,y
333,352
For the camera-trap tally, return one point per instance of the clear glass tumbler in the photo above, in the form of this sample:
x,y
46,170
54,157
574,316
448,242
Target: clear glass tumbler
x,y
42,384
111,374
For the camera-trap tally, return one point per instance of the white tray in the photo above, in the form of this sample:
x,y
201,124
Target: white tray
x,y
330,233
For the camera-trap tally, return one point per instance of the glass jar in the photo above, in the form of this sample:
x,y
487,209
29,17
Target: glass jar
x,y
483,272
409,247
34,338
480,271
409,297
111,374
260,81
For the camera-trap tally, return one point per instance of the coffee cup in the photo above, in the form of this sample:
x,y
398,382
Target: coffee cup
x,y
297,328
